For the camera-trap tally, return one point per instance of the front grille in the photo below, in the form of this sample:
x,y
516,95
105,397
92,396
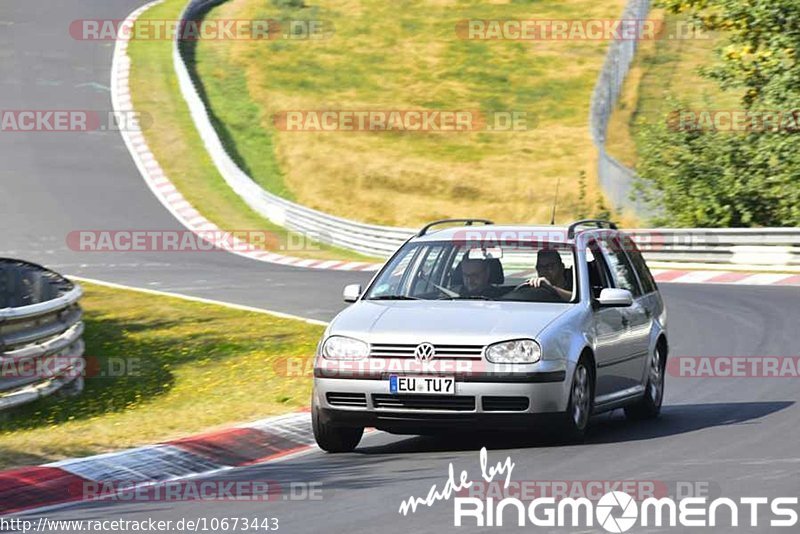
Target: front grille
x,y
356,400
459,403
505,404
456,352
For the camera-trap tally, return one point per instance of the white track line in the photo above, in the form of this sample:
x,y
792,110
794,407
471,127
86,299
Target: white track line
x,y
202,300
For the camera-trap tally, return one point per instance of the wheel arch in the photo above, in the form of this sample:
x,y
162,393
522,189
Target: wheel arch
x,y
588,353
663,344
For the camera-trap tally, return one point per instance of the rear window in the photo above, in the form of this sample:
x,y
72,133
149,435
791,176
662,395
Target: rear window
x,y
620,266
645,276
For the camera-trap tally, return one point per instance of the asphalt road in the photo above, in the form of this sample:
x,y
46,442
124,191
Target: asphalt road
x,y
738,437
55,183
725,437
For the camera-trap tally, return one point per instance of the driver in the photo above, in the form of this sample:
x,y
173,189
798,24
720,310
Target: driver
x,y
475,276
552,274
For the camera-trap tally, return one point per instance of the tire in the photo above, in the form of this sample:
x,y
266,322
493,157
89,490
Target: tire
x,y
334,438
575,420
649,406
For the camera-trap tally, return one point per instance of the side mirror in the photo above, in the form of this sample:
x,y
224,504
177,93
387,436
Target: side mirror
x,y
615,298
352,292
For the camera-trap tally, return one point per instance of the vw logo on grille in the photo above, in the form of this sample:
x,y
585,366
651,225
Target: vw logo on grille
x,y
424,352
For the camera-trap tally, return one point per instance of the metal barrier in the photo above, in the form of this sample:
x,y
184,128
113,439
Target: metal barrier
x,y
615,178
41,349
745,246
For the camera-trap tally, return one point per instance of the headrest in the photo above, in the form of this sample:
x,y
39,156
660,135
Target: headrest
x,y
496,275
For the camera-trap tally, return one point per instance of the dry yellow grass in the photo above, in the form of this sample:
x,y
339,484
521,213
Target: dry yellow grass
x,y
407,56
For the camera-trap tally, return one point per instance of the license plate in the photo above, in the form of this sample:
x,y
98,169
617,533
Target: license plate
x,y
432,385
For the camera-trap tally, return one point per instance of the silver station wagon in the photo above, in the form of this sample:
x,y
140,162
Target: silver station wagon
x,y
475,325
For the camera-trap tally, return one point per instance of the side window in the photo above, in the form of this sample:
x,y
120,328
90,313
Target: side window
x,y
645,277
620,266
599,276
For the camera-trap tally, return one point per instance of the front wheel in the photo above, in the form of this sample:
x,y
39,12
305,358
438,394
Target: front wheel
x,y
581,401
332,437
649,407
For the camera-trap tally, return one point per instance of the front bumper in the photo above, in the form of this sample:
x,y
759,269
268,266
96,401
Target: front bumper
x,y
491,400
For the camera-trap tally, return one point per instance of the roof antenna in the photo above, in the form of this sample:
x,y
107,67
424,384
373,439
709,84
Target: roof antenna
x,y
555,201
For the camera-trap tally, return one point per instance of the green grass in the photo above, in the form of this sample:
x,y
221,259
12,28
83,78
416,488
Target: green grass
x,y
406,55
193,367
177,146
665,69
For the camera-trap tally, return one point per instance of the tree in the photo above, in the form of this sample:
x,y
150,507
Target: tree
x,y
707,177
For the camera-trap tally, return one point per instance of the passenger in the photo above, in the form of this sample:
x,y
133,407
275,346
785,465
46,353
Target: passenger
x,y
475,274
552,274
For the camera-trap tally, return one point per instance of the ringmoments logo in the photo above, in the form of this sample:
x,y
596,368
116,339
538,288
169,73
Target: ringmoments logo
x,y
617,500
618,512
615,511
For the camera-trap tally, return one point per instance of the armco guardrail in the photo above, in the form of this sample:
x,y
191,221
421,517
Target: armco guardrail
x,y
41,349
615,178
365,238
748,246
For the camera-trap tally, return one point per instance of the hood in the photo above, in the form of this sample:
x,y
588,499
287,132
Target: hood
x,y
449,321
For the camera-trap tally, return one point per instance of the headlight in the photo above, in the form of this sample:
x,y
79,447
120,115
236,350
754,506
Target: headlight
x,y
517,351
344,348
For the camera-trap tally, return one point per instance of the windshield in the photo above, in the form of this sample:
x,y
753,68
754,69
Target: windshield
x,y
449,270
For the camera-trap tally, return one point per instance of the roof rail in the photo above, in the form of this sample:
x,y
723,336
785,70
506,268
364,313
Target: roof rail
x,y
600,223
467,222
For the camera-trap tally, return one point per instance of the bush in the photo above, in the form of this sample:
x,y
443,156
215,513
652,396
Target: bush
x,y
746,178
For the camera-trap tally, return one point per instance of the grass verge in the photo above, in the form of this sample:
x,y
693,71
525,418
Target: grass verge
x,y
188,367
177,146
407,56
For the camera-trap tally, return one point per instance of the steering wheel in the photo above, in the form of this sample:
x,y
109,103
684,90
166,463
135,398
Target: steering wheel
x,y
446,292
546,287
520,286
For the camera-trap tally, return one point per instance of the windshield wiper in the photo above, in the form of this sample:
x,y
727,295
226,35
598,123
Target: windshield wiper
x,y
393,297
475,297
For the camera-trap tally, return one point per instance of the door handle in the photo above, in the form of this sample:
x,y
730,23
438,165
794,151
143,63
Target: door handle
x,y
626,322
